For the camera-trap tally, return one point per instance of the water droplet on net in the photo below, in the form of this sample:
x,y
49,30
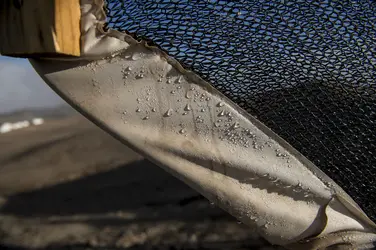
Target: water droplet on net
x,y
173,92
202,110
145,118
128,68
220,104
153,110
138,110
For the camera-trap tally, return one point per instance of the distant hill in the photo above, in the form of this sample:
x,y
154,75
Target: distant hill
x,y
61,111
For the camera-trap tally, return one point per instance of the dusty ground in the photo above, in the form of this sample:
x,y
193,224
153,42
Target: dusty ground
x,y
68,185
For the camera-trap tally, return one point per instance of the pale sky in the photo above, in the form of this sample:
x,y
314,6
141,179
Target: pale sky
x,y
22,88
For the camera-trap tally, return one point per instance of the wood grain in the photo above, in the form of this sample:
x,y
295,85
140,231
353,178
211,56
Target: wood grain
x,y
30,28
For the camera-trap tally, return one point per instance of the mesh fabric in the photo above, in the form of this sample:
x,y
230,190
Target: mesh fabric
x,y
306,69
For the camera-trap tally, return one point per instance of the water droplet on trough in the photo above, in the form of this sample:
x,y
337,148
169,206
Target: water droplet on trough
x,y
179,80
168,113
222,113
187,108
182,131
220,104
235,125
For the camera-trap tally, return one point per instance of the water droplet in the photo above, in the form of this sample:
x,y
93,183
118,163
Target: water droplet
x,y
147,98
173,92
139,76
179,100
125,112
182,131
136,56
185,113
128,68
138,110
179,80
168,81
187,107
207,98
222,113
138,99
192,88
178,87
188,95
153,110
217,124
145,118
239,222
235,125
159,80
168,113
202,110
220,104
142,70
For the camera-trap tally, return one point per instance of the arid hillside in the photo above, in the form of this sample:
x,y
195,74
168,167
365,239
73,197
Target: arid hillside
x,y
66,184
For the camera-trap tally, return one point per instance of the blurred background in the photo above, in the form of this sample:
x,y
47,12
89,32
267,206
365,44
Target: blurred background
x,y
65,184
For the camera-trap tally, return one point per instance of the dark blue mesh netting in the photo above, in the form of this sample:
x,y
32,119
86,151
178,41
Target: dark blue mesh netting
x,y
306,69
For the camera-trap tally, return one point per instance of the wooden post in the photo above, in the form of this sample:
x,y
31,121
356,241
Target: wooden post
x,y
40,28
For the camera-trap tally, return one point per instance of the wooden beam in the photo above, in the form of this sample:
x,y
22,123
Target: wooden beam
x,y
39,28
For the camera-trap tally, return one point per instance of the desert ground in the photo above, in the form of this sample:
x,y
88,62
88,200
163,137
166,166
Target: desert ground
x,y
66,184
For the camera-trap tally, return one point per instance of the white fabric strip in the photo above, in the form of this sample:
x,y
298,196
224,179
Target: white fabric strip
x,y
148,101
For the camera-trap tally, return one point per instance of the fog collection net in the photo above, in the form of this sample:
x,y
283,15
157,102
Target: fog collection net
x,y
306,69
